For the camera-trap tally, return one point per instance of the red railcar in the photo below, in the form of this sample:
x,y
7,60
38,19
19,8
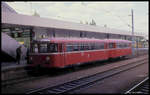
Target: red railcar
x,y
62,52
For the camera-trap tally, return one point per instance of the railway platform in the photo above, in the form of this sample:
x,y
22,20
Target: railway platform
x,y
9,70
12,65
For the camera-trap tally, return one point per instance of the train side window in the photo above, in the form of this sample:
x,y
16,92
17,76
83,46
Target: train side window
x,y
128,45
92,46
97,46
111,45
125,45
86,46
120,45
69,48
117,45
76,47
81,46
101,46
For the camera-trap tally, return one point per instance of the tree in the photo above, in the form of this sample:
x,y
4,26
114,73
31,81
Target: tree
x,y
105,25
86,22
81,22
36,14
93,22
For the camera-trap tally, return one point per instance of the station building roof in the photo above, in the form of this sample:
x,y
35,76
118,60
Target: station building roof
x,y
6,8
27,21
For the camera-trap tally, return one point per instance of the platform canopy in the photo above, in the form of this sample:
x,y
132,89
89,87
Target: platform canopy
x,y
11,19
6,8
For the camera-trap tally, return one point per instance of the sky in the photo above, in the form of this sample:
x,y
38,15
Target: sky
x,y
111,14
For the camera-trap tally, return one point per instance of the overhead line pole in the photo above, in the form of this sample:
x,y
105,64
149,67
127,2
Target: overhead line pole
x,y
132,31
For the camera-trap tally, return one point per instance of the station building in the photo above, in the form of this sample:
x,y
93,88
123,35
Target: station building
x,y
24,28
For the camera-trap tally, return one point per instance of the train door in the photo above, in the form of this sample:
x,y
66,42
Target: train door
x,y
111,47
106,50
62,54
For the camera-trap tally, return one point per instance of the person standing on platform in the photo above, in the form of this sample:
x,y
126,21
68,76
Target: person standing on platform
x,y
18,53
27,55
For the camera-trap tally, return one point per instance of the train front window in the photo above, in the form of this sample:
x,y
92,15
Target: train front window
x,y
52,47
43,48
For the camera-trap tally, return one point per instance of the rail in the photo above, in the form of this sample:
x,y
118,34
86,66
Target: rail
x,y
140,88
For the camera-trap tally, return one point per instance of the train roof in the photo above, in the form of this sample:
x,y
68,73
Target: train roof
x,y
69,40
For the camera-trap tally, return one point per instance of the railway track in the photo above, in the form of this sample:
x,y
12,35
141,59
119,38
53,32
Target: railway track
x,y
140,88
24,77
71,86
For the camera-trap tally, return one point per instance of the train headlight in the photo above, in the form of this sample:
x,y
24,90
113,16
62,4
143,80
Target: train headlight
x,y
47,58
